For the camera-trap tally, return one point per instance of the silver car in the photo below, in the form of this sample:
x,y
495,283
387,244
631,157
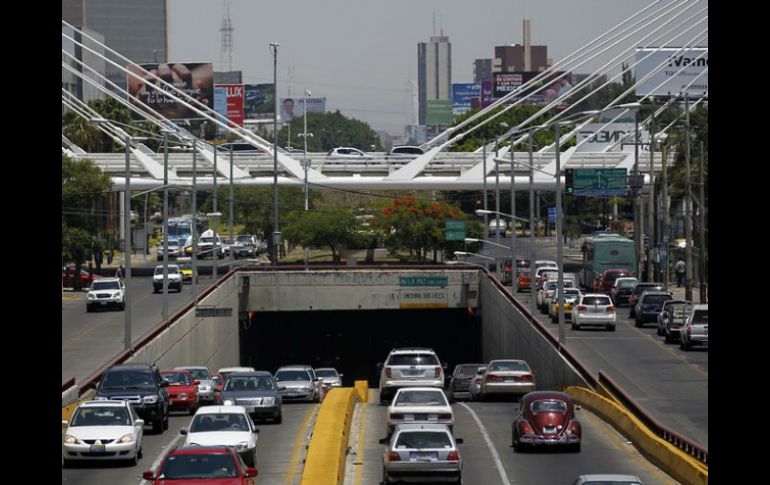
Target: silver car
x,y
329,377
422,452
206,385
696,329
298,383
607,480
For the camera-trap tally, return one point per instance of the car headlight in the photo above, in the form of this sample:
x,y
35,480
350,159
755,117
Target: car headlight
x,y
150,399
242,445
182,396
117,295
126,438
91,296
69,439
228,402
268,401
100,398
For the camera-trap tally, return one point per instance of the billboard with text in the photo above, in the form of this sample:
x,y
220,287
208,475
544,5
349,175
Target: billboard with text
x,y
295,107
462,96
668,80
228,101
196,79
258,101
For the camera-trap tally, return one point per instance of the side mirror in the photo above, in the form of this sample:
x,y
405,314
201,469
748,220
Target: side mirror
x,y
256,430
251,472
148,475
140,422
342,375
459,441
183,431
383,441
164,383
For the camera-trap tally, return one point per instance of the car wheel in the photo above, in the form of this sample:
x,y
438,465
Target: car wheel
x,y
134,461
89,309
638,322
385,480
611,328
65,463
157,426
575,326
555,319
140,453
666,337
279,418
685,346
575,448
192,409
631,314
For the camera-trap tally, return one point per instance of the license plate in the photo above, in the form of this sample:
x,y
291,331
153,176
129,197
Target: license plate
x,y
410,372
98,449
420,417
509,379
103,302
594,310
408,417
418,456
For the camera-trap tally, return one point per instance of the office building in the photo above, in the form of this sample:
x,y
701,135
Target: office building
x,y
482,70
434,69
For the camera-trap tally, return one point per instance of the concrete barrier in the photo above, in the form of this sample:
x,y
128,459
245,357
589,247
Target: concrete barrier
x,y
362,387
669,458
325,461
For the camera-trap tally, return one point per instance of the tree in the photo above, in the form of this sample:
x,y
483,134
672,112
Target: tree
x,y
511,118
329,130
83,186
254,208
336,228
76,246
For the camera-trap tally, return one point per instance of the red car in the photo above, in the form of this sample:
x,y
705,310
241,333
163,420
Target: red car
x,y
547,418
68,278
603,283
209,465
182,390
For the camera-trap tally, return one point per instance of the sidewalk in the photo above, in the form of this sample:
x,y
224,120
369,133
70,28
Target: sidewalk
x,y
679,293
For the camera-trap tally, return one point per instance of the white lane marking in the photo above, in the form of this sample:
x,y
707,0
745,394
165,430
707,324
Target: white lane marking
x,y
161,455
499,464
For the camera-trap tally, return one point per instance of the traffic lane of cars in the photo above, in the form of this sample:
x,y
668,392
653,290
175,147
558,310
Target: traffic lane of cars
x,y
603,449
671,384
274,449
91,339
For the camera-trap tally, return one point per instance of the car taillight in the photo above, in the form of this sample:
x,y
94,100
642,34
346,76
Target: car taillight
x,y
507,268
610,308
393,456
445,416
493,378
581,308
437,372
453,456
388,372
689,330
525,377
396,416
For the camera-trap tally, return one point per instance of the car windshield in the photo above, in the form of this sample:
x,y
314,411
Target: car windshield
x,y
640,288
423,439
105,285
656,299
201,374
627,284
514,365
244,238
250,383
326,373
171,270
185,266
101,416
413,359
203,423
549,406
571,294
177,378
292,375
127,379
207,239
420,398
595,300
701,317
199,466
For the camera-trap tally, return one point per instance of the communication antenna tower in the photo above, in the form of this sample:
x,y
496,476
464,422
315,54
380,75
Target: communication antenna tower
x,y
226,54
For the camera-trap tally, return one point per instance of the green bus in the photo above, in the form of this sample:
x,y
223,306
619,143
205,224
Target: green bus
x,y
606,251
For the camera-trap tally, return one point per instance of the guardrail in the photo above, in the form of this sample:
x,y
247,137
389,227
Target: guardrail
x,y
682,442
67,384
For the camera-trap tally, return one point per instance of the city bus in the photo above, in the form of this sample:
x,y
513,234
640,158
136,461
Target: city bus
x,y
606,251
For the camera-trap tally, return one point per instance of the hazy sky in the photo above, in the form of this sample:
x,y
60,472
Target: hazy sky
x,y
361,54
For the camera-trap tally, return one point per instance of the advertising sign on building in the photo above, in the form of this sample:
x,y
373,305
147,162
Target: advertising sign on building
x,y
462,96
438,112
505,82
668,81
233,102
601,137
196,79
295,107
259,101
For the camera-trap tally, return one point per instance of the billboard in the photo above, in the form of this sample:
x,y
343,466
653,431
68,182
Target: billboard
x,y
600,138
228,101
295,107
505,82
666,81
438,112
259,101
195,79
462,96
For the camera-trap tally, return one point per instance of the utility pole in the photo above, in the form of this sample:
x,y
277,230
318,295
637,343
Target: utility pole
x,y
665,207
276,232
651,204
702,229
687,204
637,202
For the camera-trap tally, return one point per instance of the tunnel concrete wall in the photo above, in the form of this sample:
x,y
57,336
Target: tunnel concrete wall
x,y
508,334
191,340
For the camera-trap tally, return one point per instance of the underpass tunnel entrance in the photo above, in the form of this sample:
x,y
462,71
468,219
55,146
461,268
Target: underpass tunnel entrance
x,y
355,341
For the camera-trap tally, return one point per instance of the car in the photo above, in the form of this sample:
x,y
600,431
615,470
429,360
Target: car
x,y
546,262
548,277
543,296
494,224
571,296
594,309
245,247
348,152
406,150
672,318
696,329
420,404
546,418
649,305
182,390
186,269
419,452
511,377
525,280
329,376
224,425
607,480
105,293
206,384
622,288
208,243
541,273
640,288
86,278
521,265
256,391
174,278
174,251
605,279
409,367
210,465
475,385
226,371
103,430
297,382
142,386
460,383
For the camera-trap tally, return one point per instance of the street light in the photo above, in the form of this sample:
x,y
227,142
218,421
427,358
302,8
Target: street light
x,y
213,218
306,166
276,232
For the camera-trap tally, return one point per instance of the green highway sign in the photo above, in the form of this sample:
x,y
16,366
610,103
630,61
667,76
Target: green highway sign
x,y
596,181
455,230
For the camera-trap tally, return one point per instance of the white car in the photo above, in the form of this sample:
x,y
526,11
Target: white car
x,y
106,292
174,278
103,430
409,367
329,376
225,426
173,250
507,376
545,262
420,405
348,152
593,309
422,452
546,292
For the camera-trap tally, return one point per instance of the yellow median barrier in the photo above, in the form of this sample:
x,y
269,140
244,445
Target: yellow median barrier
x,y
362,387
326,453
668,457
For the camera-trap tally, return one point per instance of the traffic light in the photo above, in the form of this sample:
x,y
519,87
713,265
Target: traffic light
x,y
569,180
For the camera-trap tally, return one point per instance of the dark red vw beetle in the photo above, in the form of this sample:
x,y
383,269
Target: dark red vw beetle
x,y
547,418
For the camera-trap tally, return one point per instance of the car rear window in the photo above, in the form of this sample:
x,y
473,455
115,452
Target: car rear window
x,y
292,375
595,300
549,406
640,288
701,317
199,467
413,359
508,366
656,299
627,284
421,398
423,439
202,374
466,370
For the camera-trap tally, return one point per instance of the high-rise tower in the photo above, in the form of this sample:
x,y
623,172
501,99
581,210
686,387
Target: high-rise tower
x,y
434,70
